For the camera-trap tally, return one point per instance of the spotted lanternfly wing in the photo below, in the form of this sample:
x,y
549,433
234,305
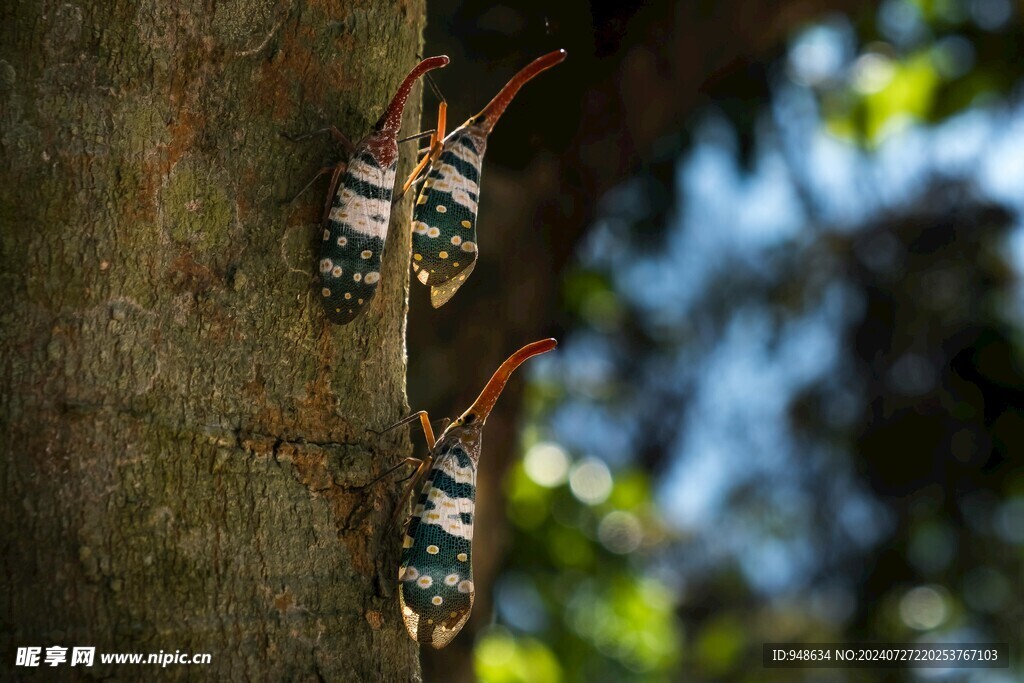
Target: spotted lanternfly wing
x,y
353,237
441,294
444,220
436,576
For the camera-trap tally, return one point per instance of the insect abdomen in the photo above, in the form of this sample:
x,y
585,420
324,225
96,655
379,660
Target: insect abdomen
x,y
436,576
353,238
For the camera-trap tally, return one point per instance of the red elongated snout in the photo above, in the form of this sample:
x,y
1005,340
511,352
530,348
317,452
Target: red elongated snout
x,y
490,114
481,408
391,120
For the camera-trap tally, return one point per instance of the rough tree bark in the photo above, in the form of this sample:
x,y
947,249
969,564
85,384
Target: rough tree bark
x,y
186,440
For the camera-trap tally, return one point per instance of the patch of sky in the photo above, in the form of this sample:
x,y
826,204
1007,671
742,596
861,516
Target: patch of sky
x,y
958,144
587,368
901,166
774,566
519,603
1002,167
585,428
735,430
827,171
726,216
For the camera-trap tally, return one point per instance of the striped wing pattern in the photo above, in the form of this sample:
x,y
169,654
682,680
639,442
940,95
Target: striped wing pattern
x,y
353,237
436,575
444,220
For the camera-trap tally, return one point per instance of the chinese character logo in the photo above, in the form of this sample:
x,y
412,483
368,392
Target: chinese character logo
x,y
28,656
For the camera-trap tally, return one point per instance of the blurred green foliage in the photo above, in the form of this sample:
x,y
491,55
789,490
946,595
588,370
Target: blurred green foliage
x,y
605,619
923,61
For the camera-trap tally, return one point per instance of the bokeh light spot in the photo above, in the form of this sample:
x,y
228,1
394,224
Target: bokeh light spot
x,y
591,482
1010,521
495,649
923,608
502,657
620,532
986,589
991,15
820,53
872,72
547,464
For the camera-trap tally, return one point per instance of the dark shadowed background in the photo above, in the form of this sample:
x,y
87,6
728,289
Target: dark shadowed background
x,y
779,244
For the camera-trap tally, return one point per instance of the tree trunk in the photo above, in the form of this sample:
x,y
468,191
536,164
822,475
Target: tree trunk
x,y
187,439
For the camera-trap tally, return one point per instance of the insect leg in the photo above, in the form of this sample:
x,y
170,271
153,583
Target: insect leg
x,y
436,145
433,86
428,430
335,179
322,171
404,461
417,136
333,130
416,183
417,478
